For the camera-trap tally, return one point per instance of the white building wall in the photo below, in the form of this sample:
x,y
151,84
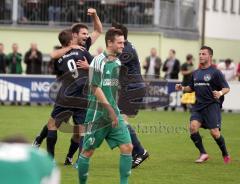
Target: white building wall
x,y
223,25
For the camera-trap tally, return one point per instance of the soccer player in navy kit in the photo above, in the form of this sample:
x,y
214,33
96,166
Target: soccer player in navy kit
x,y
82,38
67,65
131,80
210,87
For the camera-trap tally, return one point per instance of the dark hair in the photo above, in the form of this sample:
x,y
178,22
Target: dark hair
x,y
122,28
65,36
210,50
111,33
76,27
173,51
189,57
228,61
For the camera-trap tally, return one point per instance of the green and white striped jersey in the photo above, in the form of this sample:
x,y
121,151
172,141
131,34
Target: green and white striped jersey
x,y
23,164
103,73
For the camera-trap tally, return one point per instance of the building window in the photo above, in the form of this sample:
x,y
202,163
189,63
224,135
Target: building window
x,y
215,5
233,8
224,6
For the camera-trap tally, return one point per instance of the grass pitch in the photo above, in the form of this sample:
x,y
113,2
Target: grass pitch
x,y
163,134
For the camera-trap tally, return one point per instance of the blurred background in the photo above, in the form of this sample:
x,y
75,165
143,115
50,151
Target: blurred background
x,y
156,28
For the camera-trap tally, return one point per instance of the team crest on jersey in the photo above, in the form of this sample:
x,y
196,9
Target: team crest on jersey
x,y
207,77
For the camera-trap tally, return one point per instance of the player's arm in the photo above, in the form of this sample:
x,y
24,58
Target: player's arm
x,y
97,91
60,52
97,25
220,80
186,89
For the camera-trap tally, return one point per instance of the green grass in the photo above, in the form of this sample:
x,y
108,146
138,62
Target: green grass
x,y
165,136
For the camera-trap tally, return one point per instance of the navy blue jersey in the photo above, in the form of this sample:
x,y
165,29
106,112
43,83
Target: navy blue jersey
x,y
204,82
88,43
130,63
67,68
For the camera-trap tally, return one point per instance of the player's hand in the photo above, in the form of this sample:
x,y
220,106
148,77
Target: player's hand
x,y
77,47
217,94
113,117
91,12
178,87
82,64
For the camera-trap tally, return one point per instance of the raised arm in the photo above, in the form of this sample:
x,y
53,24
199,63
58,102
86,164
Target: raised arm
x,y
97,25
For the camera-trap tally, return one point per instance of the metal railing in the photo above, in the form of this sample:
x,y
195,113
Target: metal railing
x,y
172,14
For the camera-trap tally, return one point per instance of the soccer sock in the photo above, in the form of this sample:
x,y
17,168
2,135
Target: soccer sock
x,y
197,140
51,141
72,148
221,143
125,167
83,166
42,135
137,147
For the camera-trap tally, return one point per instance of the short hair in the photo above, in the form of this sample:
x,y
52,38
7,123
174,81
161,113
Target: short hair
x,y
228,61
173,51
210,50
1,44
189,57
76,27
122,28
111,33
65,37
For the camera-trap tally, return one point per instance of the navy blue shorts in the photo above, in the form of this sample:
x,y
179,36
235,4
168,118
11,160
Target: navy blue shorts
x,y
63,114
209,117
130,101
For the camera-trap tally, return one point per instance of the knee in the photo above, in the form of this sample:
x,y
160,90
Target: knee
x,y
215,133
87,153
76,137
126,148
51,124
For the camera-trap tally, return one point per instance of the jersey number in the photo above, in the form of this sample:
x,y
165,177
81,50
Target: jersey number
x,y
72,68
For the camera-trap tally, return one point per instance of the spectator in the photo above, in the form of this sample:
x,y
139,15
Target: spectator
x,y
21,14
21,163
99,51
238,71
152,65
54,11
228,68
2,59
187,70
171,66
14,60
33,60
52,63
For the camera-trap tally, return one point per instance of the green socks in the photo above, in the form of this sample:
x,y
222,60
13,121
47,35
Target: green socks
x,y
125,167
83,165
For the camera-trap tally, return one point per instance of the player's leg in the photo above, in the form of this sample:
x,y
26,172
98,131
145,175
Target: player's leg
x,y
43,134
214,120
75,143
91,141
120,137
51,136
195,124
78,132
83,165
125,163
139,154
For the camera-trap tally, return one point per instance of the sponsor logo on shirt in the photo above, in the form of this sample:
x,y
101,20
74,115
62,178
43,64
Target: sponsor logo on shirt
x,y
110,82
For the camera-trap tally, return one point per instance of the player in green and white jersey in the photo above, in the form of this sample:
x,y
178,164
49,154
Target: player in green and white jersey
x,y
103,118
20,163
